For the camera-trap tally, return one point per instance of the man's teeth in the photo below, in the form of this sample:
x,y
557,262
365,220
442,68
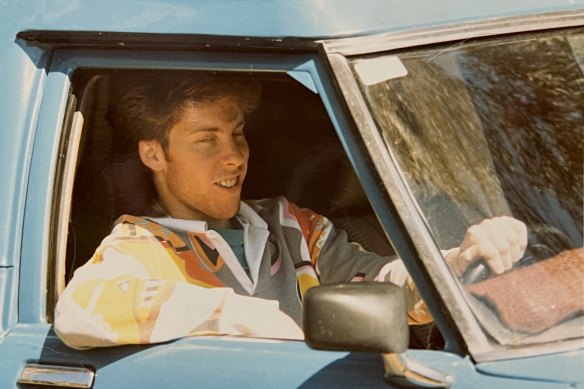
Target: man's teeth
x,y
227,183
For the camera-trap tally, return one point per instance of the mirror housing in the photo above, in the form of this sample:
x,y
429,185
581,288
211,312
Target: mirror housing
x,y
356,316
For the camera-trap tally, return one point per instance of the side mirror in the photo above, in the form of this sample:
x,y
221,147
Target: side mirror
x,y
367,317
357,316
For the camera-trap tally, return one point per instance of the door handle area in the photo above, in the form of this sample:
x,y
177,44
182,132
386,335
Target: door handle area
x,y
55,375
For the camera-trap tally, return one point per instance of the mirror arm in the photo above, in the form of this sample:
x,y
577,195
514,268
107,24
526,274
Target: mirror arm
x,y
406,373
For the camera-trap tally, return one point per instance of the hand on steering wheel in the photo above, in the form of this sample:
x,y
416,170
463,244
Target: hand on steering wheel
x,y
544,241
499,242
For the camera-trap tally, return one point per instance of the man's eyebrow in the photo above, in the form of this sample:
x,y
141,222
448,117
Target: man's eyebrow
x,y
195,130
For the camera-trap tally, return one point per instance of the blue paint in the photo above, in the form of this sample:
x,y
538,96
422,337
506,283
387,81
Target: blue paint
x,y
31,112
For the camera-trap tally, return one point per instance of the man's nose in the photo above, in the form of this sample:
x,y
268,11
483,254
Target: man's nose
x,y
235,152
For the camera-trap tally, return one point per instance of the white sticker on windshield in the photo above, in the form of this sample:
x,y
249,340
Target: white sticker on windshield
x,y
376,70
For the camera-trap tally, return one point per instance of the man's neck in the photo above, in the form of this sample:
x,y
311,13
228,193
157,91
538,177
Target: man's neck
x,y
224,224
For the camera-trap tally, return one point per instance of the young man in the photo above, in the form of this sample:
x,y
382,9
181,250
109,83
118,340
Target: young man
x,y
204,262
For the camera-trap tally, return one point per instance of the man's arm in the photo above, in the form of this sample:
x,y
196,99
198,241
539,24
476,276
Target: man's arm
x,y
338,260
116,299
501,241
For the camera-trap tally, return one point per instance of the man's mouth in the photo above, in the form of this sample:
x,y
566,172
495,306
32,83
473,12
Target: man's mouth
x,y
227,183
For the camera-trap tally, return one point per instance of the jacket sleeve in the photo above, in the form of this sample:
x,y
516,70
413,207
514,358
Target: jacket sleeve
x,y
116,299
349,261
338,260
334,258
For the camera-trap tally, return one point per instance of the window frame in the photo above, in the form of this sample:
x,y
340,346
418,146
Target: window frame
x,y
304,67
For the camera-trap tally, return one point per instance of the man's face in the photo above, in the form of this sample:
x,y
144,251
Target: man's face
x,y
205,164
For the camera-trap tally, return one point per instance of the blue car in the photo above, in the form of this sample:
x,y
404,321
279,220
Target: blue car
x,y
403,122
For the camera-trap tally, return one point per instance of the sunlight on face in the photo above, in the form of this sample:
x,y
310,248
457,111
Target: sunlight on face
x,y
206,163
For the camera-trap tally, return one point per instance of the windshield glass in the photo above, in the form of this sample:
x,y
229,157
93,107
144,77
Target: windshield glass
x,y
488,128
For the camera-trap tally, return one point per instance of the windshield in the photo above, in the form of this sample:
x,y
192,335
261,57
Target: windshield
x,y
488,128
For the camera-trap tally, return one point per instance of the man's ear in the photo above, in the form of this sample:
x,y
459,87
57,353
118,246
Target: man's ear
x,y
152,154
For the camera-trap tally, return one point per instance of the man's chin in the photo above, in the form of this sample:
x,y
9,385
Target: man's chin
x,y
225,214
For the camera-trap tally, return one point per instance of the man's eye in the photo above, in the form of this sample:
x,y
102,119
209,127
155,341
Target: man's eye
x,y
208,139
239,131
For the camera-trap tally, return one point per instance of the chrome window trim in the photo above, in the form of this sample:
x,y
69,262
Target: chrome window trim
x,y
69,170
455,32
504,353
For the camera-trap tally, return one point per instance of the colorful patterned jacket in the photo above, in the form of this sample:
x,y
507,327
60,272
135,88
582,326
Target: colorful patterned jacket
x,y
153,280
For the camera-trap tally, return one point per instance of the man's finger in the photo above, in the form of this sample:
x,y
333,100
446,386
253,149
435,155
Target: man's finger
x,y
515,234
490,254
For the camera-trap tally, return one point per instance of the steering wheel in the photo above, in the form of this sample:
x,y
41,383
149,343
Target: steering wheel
x,y
543,241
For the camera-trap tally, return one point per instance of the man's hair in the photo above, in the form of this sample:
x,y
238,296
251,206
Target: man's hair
x,y
153,102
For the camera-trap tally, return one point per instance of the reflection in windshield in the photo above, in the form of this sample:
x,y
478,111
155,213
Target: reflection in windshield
x,y
495,128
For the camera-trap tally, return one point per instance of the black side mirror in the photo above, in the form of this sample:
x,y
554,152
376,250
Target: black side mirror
x,y
367,317
357,316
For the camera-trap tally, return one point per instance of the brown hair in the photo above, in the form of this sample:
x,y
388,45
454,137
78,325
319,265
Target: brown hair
x,y
153,102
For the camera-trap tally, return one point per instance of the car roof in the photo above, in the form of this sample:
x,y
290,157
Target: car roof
x,y
261,18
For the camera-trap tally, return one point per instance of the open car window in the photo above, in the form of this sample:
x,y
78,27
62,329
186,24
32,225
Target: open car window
x,y
295,152
487,128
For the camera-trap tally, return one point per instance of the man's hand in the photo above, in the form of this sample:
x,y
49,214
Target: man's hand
x,y
501,241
